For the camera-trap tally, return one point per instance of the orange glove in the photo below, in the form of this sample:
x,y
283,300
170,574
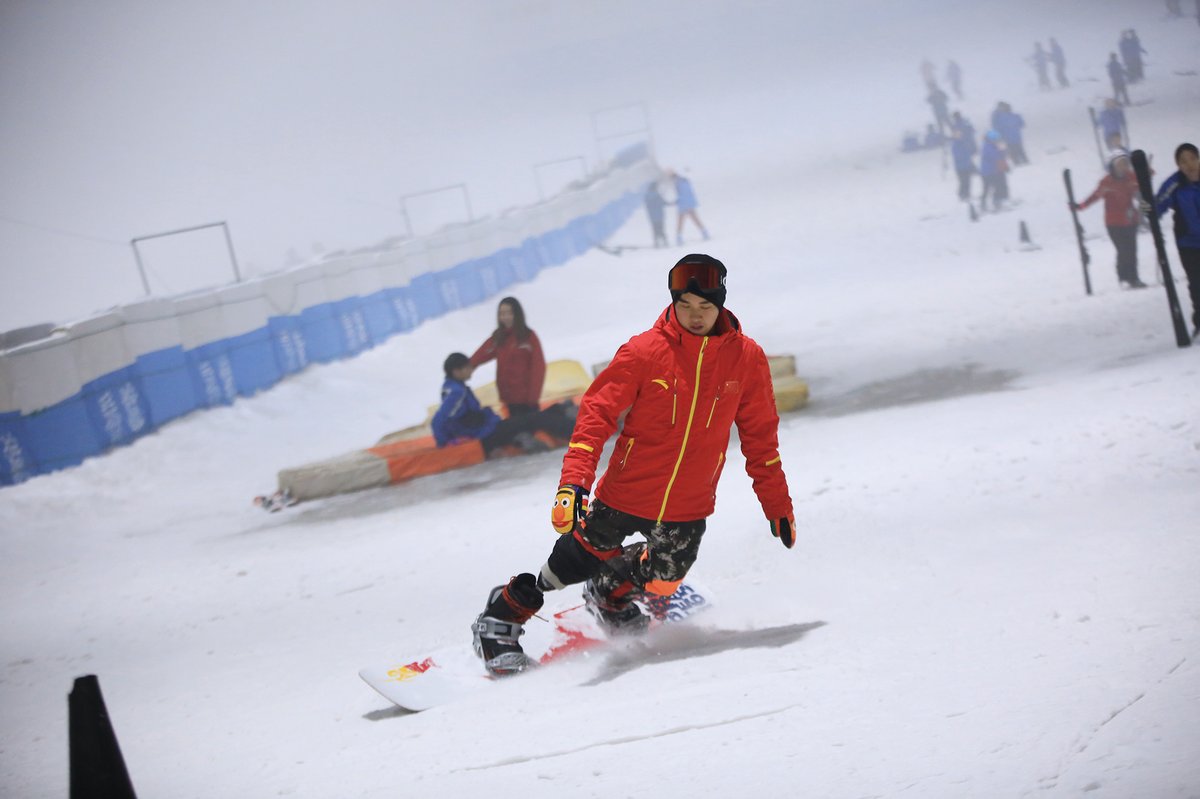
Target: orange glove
x,y
785,530
570,506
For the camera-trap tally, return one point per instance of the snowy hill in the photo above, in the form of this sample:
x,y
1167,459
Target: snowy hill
x,y
996,485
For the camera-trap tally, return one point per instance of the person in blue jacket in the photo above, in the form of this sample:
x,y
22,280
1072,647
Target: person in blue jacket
x,y
1009,125
1111,121
993,169
685,205
962,149
1180,193
461,418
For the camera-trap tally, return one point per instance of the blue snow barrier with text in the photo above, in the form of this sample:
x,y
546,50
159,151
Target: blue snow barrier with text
x,y
16,461
116,408
353,325
212,374
408,316
287,340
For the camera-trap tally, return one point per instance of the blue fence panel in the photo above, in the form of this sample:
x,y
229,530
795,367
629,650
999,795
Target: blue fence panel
x,y
380,316
62,435
166,384
322,333
504,267
212,374
16,460
530,262
579,237
425,293
408,316
472,279
287,340
252,358
116,407
353,325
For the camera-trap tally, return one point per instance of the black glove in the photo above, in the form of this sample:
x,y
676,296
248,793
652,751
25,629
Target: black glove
x,y
784,529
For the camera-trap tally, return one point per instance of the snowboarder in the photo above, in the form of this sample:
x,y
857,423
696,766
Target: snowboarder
x,y
681,386
1119,189
520,364
685,206
1181,193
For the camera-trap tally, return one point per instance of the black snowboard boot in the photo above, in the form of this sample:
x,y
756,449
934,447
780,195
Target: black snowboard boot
x,y
499,627
617,617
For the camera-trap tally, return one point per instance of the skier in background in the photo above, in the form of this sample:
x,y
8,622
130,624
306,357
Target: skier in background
x,y
656,211
963,149
1111,121
1131,53
1118,76
1059,59
993,170
939,101
1119,189
1180,193
1009,125
954,78
681,386
1040,59
685,206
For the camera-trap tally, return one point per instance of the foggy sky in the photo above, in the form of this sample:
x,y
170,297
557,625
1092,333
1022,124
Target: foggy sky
x,y
301,123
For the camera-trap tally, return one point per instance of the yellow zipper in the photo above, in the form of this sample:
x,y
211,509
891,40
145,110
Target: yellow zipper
x,y
686,430
720,460
628,449
711,412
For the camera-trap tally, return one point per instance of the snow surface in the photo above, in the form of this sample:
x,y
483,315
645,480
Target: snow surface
x,y
997,485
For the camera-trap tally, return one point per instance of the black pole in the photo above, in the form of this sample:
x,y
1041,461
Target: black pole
x,y
97,767
1142,168
1083,251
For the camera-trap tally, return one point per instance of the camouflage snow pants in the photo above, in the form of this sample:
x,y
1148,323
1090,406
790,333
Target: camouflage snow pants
x,y
656,565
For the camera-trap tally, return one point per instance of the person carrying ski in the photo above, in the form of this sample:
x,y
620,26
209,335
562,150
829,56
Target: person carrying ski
x,y
681,386
1119,188
993,171
1181,193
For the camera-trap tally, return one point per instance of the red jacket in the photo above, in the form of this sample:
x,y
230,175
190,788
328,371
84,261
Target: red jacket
x,y
684,392
1119,210
520,367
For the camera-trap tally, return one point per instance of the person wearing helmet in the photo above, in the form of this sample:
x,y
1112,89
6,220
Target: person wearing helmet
x,y
681,386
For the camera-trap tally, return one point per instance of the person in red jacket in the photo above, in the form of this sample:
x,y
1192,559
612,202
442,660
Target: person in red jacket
x,y
1119,189
520,365
681,386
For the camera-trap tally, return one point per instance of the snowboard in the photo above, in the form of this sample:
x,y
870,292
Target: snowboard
x,y
447,675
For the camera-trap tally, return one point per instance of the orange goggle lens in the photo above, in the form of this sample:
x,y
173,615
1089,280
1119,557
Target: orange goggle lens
x,y
707,277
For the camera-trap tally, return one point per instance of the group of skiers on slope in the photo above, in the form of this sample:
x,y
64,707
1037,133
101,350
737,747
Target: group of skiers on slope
x,y
1000,148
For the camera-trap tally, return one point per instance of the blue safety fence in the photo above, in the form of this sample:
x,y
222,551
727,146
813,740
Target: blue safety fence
x,y
165,384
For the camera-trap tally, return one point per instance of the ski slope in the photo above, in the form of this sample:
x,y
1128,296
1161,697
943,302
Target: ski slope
x,y
997,485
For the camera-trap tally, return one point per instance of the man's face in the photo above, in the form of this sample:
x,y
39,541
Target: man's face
x,y
696,314
1189,165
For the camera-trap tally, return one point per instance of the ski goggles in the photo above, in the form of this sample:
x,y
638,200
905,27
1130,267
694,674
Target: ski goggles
x,y
707,275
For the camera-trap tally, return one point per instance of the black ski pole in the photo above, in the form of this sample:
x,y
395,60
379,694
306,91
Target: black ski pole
x,y
1142,168
1083,251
